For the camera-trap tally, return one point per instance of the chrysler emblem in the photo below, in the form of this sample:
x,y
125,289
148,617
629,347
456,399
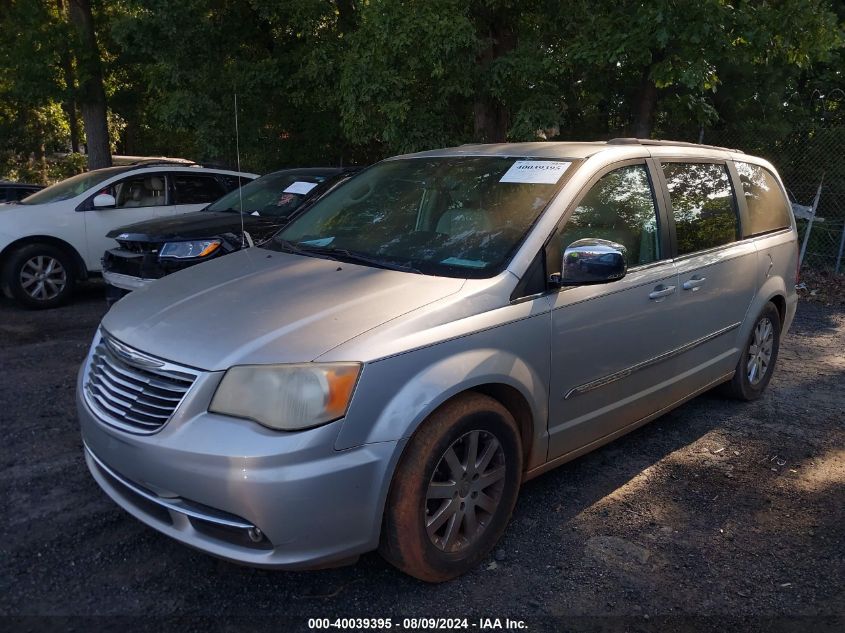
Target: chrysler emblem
x,y
132,357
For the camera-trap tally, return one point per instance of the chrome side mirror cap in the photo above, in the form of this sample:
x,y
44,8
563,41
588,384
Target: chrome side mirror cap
x,y
591,261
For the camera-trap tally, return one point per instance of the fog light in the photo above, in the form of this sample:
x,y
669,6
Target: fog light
x,y
255,535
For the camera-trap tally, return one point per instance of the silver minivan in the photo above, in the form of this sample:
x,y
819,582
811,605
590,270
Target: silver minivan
x,y
436,331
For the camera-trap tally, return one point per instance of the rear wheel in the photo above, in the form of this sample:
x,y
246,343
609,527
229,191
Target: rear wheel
x,y
454,489
39,276
757,361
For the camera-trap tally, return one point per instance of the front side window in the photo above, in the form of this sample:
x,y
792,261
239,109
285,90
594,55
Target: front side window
x,y
703,205
768,209
195,189
139,191
451,216
620,207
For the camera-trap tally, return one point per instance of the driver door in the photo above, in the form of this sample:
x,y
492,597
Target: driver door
x,y
137,198
608,339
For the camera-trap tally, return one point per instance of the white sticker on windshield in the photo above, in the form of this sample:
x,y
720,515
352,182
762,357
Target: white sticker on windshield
x,y
544,172
301,187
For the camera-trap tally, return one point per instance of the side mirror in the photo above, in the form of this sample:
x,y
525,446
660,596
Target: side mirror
x,y
104,201
592,261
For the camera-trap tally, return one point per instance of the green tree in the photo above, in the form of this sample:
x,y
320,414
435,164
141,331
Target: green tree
x,y
675,49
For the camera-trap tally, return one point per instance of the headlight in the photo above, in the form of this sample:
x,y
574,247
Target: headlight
x,y
287,397
188,250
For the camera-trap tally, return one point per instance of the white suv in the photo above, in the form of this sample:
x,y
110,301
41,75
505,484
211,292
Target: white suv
x,y
57,236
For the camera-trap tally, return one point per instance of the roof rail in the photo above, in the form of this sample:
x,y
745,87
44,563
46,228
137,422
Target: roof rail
x,y
649,141
163,161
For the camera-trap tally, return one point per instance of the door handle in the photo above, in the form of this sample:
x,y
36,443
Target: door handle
x,y
661,292
695,283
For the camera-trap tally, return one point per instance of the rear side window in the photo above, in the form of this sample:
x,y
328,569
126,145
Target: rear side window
x,y
703,205
230,183
768,209
196,189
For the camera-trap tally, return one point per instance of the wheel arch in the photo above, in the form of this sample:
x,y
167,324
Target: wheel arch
x,y
780,303
517,405
80,269
423,384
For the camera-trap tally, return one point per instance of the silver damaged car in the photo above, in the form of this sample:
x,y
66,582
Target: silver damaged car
x,y
444,326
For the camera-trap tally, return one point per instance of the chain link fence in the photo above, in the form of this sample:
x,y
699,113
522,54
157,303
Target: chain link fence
x,y
808,156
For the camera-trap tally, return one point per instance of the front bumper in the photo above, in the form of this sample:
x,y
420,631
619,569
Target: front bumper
x,y
126,282
206,480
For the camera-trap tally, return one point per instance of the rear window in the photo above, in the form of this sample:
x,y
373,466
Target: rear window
x,y
768,209
703,206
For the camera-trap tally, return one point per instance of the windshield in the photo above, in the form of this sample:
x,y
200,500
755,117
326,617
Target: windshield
x,y
274,195
456,217
73,186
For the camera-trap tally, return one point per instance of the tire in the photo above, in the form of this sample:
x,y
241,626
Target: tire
x,y
751,378
40,276
416,536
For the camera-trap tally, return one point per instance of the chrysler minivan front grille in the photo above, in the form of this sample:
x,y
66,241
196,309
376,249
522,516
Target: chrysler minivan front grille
x,y
133,391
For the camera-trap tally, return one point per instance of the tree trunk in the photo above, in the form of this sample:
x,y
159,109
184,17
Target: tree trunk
x,y
347,16
69,102
646,102
492,118
92,97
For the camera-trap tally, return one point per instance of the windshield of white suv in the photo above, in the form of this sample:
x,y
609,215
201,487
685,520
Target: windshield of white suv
x,y
274,195
73,186
460,216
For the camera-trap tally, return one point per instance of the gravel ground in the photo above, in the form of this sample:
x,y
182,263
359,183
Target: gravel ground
x,y
717,515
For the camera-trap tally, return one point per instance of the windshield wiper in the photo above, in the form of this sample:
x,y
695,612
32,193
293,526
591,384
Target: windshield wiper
x,y
341,254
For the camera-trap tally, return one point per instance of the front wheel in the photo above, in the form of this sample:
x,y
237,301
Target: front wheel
x,y
39,276
454,489
757,361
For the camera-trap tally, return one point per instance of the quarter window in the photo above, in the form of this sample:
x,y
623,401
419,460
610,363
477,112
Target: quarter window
x,y
620,207
768,209
703,205
193,189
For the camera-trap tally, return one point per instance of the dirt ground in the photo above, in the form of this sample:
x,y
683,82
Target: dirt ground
x,y
718,516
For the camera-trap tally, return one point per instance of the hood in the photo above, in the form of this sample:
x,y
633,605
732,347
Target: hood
x,y
198,225
260,306
17,206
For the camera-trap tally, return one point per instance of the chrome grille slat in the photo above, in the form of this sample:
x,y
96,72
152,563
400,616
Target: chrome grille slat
x,y
105,392
111,361
136,396
126,405
133,391
115,376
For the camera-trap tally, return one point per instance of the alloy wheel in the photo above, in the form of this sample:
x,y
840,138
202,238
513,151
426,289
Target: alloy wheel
x,y
43,277
464,491
760,351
